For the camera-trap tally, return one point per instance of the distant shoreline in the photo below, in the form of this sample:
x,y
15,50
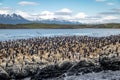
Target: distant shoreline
x,y
58,26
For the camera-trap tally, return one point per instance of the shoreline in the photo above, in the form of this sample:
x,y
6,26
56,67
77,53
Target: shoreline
x,y
58,26
59,71
65,28
55,36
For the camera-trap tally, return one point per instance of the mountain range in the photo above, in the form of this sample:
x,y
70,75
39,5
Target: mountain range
x,y
18,19
12,19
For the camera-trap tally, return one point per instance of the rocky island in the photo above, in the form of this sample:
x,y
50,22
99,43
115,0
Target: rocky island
x,y
45,58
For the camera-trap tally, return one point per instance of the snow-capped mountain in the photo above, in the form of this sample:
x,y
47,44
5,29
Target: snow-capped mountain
x,y
12,19
56,21
18,19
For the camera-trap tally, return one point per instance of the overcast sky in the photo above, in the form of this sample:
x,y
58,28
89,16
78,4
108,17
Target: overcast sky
x,y
86,11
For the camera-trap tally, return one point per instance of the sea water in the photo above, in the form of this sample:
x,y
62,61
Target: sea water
x,y
10,34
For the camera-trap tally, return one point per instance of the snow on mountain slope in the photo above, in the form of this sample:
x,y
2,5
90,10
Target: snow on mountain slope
x,y
12,19
18,19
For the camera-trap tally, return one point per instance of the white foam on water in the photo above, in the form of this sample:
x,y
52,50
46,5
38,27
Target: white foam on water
x,y
107,75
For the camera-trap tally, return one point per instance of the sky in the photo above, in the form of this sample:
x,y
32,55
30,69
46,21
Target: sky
x,y
84,11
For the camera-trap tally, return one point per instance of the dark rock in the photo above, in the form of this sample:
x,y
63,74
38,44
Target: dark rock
x,y
48,72
85,64
90,69
4,75
31,69
84,67
53,70
82,64
110,63
68,68
16,72
19,72
65,65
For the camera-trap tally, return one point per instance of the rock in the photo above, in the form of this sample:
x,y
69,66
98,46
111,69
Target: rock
x,y
48,72
16,72
19,72
53,70
112,63
82,64
68,68
84,67
31,69
65,65
3,74
85,70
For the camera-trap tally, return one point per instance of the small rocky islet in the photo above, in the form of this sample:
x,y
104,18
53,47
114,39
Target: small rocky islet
x,y
43,58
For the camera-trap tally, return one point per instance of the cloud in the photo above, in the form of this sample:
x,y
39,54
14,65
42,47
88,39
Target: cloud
x,y
24,3
24,14
114,11
99,19
6,10
46,15
80,15
110,3
67,14
106,1
110,13
100,0
64,11
109,18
